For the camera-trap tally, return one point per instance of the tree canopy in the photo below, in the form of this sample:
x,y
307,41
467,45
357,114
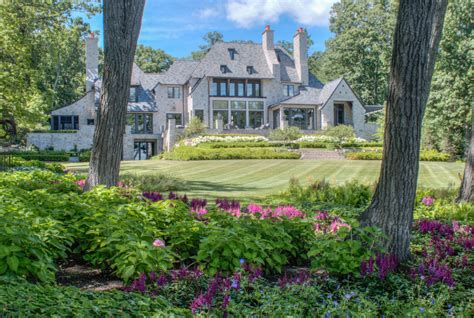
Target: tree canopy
x,y
42,67
209,38
152,60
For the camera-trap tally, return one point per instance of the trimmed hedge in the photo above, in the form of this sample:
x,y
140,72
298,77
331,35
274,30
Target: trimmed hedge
x,y
321,144
196,153
249,144
43,156
55,131
425,155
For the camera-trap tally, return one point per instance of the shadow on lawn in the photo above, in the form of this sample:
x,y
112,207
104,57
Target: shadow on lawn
x,y
217,187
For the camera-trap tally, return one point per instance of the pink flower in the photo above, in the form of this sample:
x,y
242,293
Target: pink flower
x,y
81,183
199,211
336,225
254,208
428,201
158,243
289,211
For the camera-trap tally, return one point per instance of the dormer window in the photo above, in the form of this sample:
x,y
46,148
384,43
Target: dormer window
x,y
224,69
232,53
250,70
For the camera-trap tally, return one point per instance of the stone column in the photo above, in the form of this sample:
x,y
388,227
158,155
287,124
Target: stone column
x,y
220,123
283,119
171,134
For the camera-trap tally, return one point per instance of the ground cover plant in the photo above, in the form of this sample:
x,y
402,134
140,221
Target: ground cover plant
x,y
295,253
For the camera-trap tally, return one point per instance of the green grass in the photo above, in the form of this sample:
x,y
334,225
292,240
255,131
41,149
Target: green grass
x,y
251,179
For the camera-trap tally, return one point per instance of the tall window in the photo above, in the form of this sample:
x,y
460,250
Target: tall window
x,y
255,114
64,122
288,90
177,116
232,53
219,87
338,114
133,98
174,92
220,109
253,88
141,123
237,88
238,114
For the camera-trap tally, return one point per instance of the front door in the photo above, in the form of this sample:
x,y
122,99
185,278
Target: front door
x,y
338,114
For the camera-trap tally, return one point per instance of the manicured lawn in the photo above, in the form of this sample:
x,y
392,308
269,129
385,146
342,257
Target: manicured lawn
x,y
255,178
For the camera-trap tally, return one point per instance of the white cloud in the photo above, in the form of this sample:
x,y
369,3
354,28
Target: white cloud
x,y
247,13
207,13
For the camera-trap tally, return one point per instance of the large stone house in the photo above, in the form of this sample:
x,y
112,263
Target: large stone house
x,y
237,87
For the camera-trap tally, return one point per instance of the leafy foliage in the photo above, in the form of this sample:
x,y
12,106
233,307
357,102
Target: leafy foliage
x,y
285,134
153,182
448,119
152,60
195,127
210,38
425,155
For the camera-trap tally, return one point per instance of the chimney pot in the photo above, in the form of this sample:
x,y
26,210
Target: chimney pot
x,y
267,27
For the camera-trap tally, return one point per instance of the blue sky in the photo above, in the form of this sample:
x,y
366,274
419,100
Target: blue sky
x,y
177,26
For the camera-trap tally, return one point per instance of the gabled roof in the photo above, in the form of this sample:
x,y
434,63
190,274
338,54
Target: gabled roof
x,y
373,108
246,54
306,96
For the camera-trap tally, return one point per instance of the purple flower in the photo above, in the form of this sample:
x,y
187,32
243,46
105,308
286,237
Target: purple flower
x,y
153,196
428,201
158,243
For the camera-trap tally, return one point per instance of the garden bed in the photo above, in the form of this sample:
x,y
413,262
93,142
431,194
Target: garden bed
x,y
290,254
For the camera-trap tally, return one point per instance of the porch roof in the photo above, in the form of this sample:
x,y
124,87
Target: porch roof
x,y
307,95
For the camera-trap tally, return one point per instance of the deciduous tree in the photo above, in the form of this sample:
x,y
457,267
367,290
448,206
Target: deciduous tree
x,y
152,60
466,191
416,40
122,23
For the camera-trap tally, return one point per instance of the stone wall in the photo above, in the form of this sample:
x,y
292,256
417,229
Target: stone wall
x,y
168,105
343,93
82,139
84,108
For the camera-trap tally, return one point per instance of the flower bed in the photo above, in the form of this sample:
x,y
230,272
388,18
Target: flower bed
x,y
284,256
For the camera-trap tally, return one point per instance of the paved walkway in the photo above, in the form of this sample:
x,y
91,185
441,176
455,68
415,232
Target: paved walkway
x,y
320,154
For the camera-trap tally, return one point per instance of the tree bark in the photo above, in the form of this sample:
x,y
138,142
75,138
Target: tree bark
x,y
122,22
466,191
416,40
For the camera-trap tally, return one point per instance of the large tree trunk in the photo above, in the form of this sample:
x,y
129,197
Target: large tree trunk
x,y
416,39
465,193
122,22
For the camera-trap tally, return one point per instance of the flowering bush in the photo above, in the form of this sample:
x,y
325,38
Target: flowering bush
x,y
203,139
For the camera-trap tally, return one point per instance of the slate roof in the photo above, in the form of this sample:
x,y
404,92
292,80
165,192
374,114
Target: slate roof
x,y
178,73
372,108
246,54
288,71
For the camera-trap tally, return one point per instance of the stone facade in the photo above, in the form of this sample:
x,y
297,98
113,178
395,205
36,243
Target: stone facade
x,y
185,90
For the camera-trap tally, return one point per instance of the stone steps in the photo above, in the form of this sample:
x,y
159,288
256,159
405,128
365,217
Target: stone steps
x,y
321,154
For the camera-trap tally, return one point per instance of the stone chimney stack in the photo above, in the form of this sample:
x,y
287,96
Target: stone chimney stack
x,y
267,39
92,60
300,54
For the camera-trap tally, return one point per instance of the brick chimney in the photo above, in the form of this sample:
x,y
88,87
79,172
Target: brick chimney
x,y
267,39
92,60
300,54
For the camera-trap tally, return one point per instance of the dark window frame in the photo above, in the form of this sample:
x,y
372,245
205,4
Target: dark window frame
x,y
147,119
58,122
135,95
173,116
174,92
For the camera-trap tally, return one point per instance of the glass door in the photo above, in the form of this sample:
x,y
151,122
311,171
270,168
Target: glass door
x,y
143,150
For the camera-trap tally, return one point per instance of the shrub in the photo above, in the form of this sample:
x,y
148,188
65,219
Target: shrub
x,y
22,164
194,127
153,182
196,153
43,155
286,134
349,194
425,155
341,132
250,144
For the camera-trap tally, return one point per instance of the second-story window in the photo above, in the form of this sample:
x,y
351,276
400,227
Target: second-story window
x,y
254,88
142,123
219,87
289,90
174,92
237,88
133,98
